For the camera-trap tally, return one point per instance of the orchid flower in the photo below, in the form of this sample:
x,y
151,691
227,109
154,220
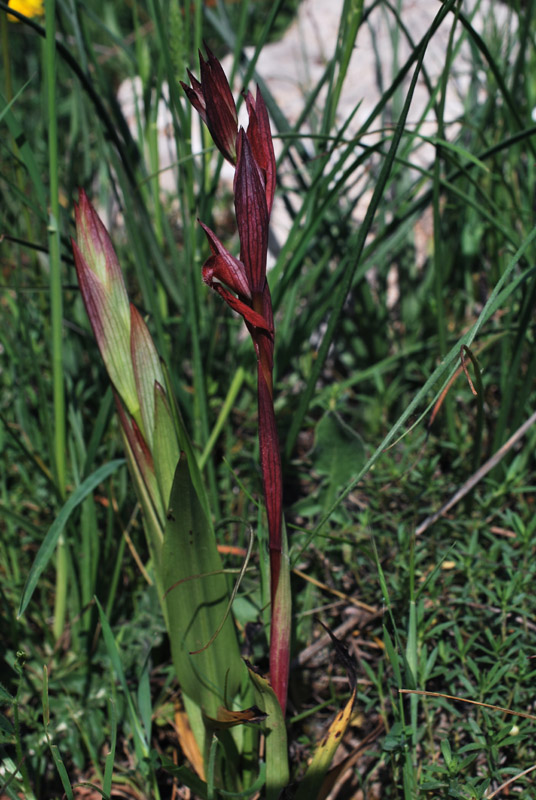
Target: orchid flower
x,y
242,283
212,99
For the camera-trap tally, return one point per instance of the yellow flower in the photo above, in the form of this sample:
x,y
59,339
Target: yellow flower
x,y
30,8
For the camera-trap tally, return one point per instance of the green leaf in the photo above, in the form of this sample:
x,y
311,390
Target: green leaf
x,y
187,777
186,445
165,447
26,153
446,752
60,766
140,742
110,758
7,107
196,597
5,696
277,770
251,790
51,539
339,451
6,728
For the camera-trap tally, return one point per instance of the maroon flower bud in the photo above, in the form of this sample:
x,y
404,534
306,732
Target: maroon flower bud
x,y
212,99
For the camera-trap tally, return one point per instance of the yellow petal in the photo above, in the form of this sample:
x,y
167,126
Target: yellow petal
x,y
30,8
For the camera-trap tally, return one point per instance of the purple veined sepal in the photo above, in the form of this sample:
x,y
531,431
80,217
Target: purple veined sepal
x,y
251,215
260,138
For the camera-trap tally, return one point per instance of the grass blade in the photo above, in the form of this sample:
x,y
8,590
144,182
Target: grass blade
x,y
54,532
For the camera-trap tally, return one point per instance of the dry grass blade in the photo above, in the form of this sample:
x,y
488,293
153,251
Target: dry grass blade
x,y
523,714
478,475
353,600
509,782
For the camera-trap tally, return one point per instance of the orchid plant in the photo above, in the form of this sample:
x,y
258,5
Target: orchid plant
x,y
217,685
242,283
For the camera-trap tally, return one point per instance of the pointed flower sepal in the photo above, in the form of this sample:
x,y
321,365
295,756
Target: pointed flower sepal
x,y
251,215
260,138
213,100
222,271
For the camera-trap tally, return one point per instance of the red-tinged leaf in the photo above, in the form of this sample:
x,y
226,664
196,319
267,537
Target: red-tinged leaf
x,y
111,330
138,450
93,293
251,215
135,439
147,370
224,267
96,246
260,138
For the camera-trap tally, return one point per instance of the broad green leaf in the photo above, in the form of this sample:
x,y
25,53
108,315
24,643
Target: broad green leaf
x,y
51,539
165,446
186,445
147,371
339,451
277,769
196,597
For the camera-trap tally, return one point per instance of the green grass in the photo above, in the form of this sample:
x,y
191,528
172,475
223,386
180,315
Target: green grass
x,y
86,683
